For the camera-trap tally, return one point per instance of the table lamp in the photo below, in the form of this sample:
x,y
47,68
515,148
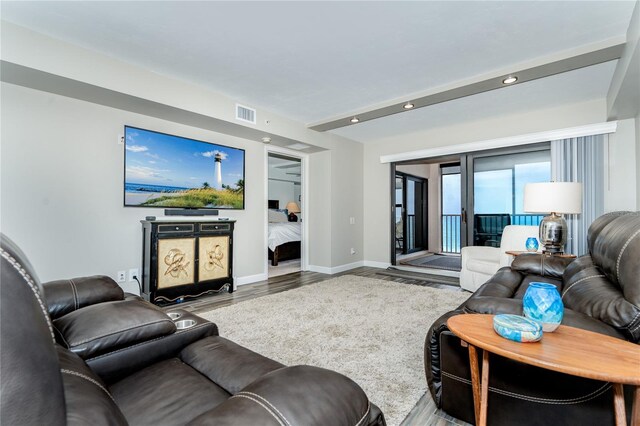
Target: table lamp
x,y
555,198
293,208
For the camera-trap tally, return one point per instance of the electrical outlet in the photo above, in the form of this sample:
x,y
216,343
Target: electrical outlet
x,y
122,276
353,251
133,273
352,221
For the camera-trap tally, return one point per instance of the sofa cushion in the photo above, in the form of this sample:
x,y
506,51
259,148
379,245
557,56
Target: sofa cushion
x,y
167,393
227,364
599,224
87,399
503,283
616,252
588,290
104,327
298,395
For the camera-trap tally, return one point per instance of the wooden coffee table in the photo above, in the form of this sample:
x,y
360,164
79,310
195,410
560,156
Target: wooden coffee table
x,y
567,350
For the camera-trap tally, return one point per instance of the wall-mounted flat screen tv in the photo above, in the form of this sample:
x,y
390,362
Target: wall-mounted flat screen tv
x,y
170,171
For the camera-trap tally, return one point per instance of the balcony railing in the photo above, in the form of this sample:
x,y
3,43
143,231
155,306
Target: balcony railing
x,y
451,228
451,233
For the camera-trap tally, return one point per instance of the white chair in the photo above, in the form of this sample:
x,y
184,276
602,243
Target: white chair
x,y
480,263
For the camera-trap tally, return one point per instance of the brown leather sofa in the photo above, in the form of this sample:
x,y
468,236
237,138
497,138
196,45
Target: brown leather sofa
x,y
601,293
83,352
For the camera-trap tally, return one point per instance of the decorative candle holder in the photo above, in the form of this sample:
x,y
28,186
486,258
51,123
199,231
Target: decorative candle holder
x,y
542,303
532,244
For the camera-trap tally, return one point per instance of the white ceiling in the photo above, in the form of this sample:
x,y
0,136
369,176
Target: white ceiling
x,y
311,61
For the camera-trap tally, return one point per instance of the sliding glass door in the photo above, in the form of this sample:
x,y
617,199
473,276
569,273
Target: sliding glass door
x,y
483,193
480,194
495,186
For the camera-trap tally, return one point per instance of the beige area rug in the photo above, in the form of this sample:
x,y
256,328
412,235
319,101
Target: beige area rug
x,y
370,330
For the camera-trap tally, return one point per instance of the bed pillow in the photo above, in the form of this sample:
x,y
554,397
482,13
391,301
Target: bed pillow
x,y
277,216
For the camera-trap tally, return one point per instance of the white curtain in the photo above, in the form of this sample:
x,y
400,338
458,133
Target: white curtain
x,y
581,160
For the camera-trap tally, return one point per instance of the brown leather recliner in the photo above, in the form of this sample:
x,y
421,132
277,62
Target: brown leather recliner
x,y
600,292
82,352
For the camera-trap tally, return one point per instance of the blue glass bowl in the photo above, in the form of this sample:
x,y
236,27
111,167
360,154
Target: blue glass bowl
x,y
517,328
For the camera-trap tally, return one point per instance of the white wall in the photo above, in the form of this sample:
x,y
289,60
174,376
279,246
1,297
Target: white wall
x,y
346,202
319,206
620,182
282,191
336,175
376,175
637,120
282,186
62,187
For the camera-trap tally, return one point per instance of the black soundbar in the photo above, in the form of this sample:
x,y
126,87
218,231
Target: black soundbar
x,y
190,212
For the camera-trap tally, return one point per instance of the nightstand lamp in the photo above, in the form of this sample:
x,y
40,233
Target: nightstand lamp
x,y
555,198
293,208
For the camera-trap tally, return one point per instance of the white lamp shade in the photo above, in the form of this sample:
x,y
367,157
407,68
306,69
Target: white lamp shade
x,y
293,207
556,197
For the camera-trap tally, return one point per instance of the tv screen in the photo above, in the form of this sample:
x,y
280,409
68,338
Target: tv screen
x,y
170,171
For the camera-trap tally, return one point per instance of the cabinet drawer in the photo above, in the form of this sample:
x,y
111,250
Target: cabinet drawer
x,y
208,227
163,229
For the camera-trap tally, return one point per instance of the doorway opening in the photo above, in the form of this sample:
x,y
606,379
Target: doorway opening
x,y
285,214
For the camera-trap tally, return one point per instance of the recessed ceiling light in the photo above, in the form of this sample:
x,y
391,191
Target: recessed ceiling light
x,y
510,80
266,139
298,146
355,120
408,105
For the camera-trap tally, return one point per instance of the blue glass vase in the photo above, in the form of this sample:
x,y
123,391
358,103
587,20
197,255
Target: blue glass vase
x,y
542,303
531,244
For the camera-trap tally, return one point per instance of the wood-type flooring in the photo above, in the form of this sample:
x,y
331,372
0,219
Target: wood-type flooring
x,y
424,413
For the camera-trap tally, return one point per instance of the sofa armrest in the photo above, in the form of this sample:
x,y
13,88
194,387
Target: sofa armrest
x,y
64,296
432,365
493,305
108,326
491,254
119,363
298,395
540,264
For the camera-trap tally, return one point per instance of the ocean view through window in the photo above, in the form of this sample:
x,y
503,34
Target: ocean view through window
x,y
496,194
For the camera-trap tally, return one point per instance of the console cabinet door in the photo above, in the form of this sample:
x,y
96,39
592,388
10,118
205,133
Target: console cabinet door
x,y
213,258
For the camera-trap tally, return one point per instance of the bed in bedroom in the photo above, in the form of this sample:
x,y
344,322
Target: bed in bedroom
x,y
284,237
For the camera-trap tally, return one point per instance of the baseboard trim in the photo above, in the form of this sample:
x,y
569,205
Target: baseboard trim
x,y
374,264
336,269
347,267
320,269
249,279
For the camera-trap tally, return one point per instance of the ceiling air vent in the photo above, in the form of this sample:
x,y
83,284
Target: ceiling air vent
x,y
245,114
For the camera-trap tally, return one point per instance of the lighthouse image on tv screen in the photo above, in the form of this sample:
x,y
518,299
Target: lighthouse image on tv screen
x,y
170,171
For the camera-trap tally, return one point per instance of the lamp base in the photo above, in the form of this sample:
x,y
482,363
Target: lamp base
x,y
553,234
